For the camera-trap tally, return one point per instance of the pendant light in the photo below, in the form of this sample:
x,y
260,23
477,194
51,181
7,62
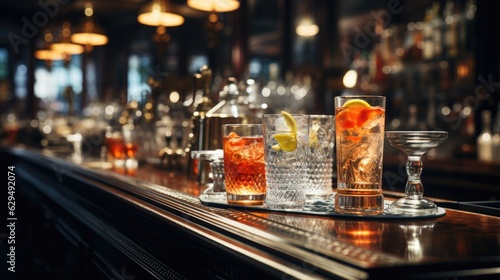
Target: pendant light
x,y
46,53
64,45
89,33
157,14
219,6
214,25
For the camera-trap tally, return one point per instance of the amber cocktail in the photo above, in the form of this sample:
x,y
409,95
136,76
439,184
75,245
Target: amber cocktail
x,y
115,145
244,166
360,122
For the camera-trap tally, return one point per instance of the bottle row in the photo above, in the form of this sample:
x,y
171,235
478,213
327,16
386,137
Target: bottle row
x,y
488,141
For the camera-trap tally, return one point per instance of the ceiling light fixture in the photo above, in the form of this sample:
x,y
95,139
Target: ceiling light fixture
x,y
219,6
157,14
89,34
64,45
48,54
45,53
307,30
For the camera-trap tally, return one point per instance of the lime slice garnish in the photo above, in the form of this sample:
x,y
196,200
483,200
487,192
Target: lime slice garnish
x,y
356,103
287,141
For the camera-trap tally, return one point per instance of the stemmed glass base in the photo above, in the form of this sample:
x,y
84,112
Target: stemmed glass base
x,y
414,144
413,207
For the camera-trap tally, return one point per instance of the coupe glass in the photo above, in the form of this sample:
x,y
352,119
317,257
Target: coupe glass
x,y
414,144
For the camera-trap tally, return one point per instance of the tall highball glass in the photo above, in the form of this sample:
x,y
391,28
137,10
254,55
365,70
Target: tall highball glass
x,y
359,127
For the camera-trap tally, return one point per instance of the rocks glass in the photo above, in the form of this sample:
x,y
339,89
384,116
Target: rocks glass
x,y
244,167
286,148
359,129
115,148
321,157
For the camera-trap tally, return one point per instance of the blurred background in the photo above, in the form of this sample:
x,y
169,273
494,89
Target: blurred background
x,y
436,61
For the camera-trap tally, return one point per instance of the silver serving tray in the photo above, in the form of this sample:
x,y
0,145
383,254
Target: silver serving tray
x,y
318,208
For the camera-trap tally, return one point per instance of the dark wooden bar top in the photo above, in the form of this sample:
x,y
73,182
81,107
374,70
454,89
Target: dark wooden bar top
x,y
156,220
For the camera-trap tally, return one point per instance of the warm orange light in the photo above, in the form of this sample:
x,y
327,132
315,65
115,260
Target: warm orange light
x,y
350,79
463,70
307,30
219,6
156,14
47,54
361,233
89,34
67,48
63,45
88,38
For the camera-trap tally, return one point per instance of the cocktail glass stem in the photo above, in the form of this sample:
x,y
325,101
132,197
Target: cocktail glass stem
x,y
414,188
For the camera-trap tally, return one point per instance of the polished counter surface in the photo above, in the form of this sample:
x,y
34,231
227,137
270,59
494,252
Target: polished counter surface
x,y
459,245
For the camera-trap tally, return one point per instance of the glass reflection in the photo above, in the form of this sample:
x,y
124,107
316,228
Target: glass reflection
x,y
363,234
414,233
318,226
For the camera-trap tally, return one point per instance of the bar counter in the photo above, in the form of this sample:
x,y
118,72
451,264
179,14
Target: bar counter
x,y
79,221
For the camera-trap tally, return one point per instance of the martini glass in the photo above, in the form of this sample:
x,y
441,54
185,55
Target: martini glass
x,y
415,144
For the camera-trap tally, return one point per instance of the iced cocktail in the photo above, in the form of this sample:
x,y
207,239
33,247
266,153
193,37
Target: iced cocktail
x,y
360,122
286,139
244,166
320,161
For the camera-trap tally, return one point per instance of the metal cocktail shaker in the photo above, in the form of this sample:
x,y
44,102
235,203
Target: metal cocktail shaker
x,y
233,108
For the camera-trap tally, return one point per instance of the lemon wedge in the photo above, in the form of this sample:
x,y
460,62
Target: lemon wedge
x,y
287,141
356,103
290,121
313,137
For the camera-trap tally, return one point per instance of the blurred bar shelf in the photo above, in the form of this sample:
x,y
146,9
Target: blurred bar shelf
x,y
81,222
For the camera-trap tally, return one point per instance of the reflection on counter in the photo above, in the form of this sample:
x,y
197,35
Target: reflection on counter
x,y
415,234
364,234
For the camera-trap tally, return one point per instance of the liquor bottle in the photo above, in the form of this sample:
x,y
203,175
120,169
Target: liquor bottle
x,y
451,23
437,25
485,138
428,51
468,141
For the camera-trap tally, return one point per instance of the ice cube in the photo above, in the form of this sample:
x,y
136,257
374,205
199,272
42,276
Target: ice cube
x,y
280,124
374,118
